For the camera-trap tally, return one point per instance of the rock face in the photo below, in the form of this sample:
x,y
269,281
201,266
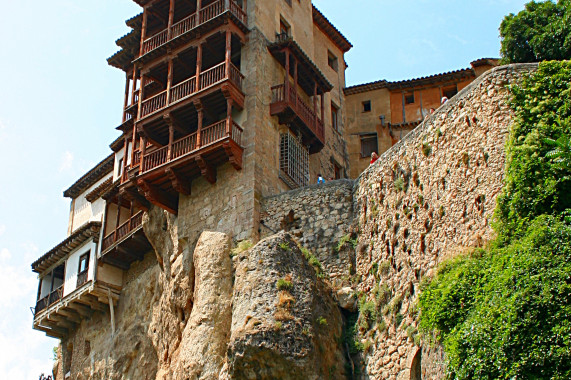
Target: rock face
x,y
285,324
187,316
192,312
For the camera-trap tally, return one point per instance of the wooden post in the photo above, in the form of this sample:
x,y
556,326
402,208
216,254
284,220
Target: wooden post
x,y
323,108
118,219
315,102
126,102
131,217
111,311
169,80
171,138
198,7
141,93
124,168
144,30
286,89
295,80
171,18
143,143
228,52
198,65
199,131
229,103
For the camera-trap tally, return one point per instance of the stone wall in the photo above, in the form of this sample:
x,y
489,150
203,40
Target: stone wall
x,y
319,217
430,197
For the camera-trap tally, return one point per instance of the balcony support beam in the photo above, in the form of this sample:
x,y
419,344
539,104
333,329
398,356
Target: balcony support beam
x,y
179,183
171,18
287,76
158,197
200,111
206,169
144,30
198,64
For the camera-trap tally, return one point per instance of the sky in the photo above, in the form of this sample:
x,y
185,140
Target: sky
x,y
60,103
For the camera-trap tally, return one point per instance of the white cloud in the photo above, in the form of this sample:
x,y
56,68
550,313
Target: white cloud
x,y
3,129
66,162
5,255
2,229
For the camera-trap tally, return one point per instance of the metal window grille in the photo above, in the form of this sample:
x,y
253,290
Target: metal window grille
x,y
369,144
294,161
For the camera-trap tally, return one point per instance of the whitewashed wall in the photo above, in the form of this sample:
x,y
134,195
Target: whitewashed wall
x,y
72,265
84,211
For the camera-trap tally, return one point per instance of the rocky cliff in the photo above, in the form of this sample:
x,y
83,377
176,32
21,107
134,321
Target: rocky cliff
x,y
205,309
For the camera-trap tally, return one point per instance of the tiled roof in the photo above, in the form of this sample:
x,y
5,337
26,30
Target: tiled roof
x,y
443,77
91,177
61,250
327,27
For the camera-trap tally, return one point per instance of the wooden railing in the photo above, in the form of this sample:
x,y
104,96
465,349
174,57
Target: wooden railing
x,y
154,104
185,25
183,90
188,144
155,41
82,278
300,107
56,295
213,75
123,230
41,304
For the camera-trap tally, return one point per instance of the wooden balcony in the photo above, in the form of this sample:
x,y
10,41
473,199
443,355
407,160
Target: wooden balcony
x,y
194,24
163,173
57,316
185,90
125,244
293,110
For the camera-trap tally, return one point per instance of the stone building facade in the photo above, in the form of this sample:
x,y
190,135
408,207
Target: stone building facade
x,y
381,113
232,110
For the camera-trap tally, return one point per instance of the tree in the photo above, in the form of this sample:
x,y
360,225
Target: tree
x,y
541,32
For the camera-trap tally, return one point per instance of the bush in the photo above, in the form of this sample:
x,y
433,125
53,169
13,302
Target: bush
x,y
284,284
504,313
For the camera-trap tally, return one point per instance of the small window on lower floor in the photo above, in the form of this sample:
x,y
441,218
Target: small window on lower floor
x,y
294,161
369,144
367,106
83,263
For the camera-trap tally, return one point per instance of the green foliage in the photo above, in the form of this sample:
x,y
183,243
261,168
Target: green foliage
x,y
313,261
346,239
350,334
367,313
537,182
322,321
399,184
426,149
504,313
243,246
285,246
542,31
284,284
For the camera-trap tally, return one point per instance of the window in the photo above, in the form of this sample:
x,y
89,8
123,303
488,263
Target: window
x,y
332,61
409,98
284,28
369,144
83,263
367,106
337,170
120,169
294,161
449,92
334,117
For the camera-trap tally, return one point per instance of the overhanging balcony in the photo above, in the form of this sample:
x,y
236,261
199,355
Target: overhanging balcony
x,y
200,22
169,170
209,80
292,109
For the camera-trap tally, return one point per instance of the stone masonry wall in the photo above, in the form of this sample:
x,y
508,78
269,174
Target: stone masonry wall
x,y
319,216
430,197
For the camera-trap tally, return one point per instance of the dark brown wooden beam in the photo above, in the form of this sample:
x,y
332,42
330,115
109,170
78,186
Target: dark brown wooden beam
x,y
179,183
234,154
158,197
206,169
